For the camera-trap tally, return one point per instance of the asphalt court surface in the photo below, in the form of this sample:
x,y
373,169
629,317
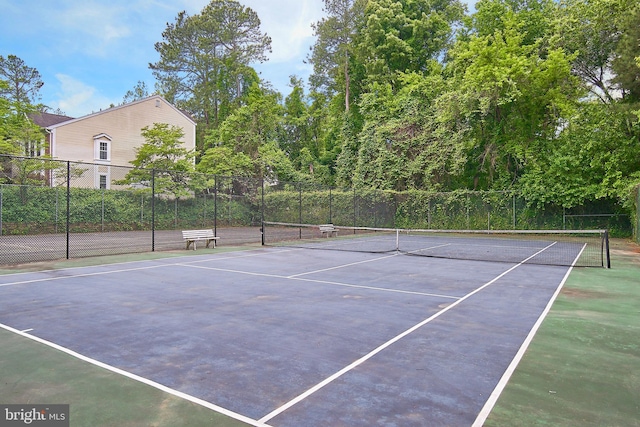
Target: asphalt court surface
x,y
291,337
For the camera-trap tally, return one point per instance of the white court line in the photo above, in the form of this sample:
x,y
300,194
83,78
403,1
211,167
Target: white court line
x,y
230,270
398,291
360,262
368,356
122,270
227,270
97,273
138,378
488,406
341,266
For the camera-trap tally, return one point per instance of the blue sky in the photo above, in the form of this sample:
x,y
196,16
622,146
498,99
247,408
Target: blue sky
x,y
91,52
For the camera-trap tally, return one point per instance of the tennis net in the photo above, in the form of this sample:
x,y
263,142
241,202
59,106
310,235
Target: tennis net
x,y
587,248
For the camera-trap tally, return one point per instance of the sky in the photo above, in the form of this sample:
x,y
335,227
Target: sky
x,y
89,53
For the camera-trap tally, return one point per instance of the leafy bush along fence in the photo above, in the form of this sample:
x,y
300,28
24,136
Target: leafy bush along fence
x,y
52,210
471,210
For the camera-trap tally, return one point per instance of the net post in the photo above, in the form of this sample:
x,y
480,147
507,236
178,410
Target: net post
x,y
397,239
606,248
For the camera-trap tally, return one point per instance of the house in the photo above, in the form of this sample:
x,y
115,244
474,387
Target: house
x,y
108,139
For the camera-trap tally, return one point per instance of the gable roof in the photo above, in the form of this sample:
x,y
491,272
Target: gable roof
x,y
157,97
45,120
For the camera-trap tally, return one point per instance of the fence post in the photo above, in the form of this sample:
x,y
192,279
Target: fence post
x,y
514,211
637,214
355,209
262,210
330,207
215,205
153,210
57,210
300,209
102,213
68,202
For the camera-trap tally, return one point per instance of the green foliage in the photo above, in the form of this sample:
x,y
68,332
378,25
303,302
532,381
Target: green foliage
x,y
597,139
251,125
226,162
24,85
162,161
204,59
625,63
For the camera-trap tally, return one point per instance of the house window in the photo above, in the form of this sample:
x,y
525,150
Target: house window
x,y
33,149
103,182
102,148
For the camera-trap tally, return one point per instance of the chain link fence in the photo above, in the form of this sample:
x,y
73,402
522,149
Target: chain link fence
x,y
636,214
53,209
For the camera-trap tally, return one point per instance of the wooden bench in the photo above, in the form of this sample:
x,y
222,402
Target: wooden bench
x,y
328,230
192,236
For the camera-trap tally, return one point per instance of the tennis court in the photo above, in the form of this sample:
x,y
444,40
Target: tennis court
x,y
283,336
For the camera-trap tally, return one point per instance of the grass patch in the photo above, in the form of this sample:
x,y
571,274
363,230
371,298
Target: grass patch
x,y
583,366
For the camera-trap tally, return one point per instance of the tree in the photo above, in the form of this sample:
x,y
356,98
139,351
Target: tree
x,y
224,161
139,91
332,53
24,82
405,144
250,126
402,36
511,98
204,59
591,29
19,89
296,122
596,156
624,64
162,159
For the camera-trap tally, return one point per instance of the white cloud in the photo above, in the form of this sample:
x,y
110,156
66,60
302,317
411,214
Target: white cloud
x,y
78,99
288,23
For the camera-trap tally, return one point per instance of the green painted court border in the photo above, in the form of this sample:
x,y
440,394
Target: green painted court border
x,y
583,366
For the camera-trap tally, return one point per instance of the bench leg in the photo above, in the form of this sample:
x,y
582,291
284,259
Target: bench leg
x,y
211,240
